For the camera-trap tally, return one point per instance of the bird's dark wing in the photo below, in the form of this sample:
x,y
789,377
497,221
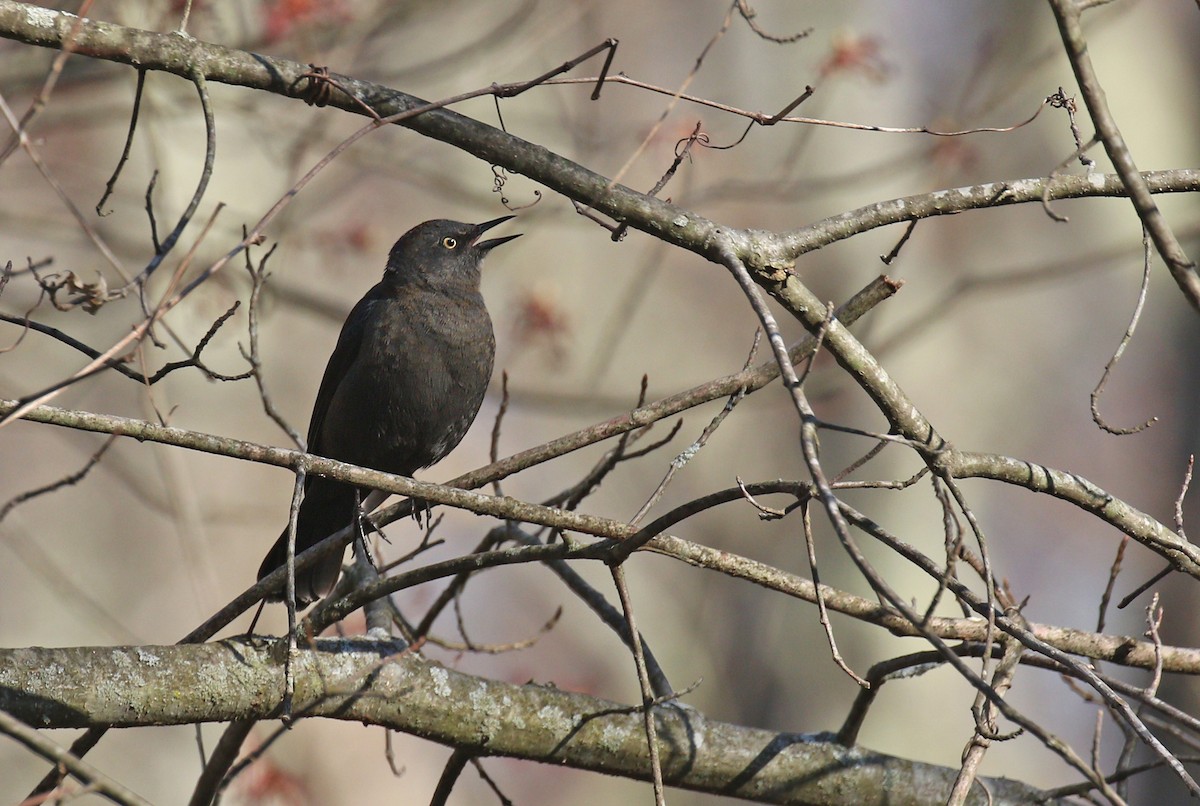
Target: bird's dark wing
x,y
327,506
348,345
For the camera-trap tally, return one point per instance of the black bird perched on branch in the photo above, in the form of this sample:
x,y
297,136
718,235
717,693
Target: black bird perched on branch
x,y
403,384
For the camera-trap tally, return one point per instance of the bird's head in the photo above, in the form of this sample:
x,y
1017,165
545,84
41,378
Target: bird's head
x,y
443,251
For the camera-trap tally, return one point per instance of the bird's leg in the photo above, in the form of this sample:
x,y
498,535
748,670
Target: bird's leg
x,y
363,525
369,505
254,621
366,570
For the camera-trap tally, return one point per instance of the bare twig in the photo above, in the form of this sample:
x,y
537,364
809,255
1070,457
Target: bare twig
x,y
67,481
494,446
1154,619
133,120
688,453
23,139
608,615
822,610
895,253
764,119
1116,356
210,783
610,45
1113,571
618,574
492,785
468,645
748,14
149,206
450,774
69,763
258,279
952,540
210,155
683,150
1182,268
676,96
1060,100
121,365
986,714
1119,706
124,345
51,81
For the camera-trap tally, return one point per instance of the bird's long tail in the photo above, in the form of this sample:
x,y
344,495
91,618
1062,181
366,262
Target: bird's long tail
x,y
327,507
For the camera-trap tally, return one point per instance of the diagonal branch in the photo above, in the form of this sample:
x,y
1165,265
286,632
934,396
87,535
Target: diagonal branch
x,y
1183,269
1117,649
906,419
188,57
93,778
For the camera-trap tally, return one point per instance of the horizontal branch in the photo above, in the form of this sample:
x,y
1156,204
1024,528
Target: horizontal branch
x,y
1122,650
1078,491
499,506
978,197
381,684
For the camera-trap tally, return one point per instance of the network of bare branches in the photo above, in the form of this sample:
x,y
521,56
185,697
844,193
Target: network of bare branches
x,y
664,238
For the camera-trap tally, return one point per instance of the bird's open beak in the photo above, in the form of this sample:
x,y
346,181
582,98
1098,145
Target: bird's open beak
x,y
485,246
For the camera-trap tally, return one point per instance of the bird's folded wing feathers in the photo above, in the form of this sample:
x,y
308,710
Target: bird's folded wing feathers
x,y
349,343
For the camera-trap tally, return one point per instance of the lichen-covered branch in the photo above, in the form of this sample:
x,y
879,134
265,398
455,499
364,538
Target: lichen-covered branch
x,y
382,684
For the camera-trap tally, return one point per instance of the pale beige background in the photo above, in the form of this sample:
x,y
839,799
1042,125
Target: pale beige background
x,y
157,538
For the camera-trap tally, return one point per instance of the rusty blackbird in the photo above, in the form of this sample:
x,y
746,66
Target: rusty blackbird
x,y
403,384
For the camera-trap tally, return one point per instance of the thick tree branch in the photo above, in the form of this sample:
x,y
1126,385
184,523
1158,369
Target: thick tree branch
x,y
760,250
382,684
769,258
953,201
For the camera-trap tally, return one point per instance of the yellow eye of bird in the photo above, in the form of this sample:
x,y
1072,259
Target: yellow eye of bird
x,y
449,243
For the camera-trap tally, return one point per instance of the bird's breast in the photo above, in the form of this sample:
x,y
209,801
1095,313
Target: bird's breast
x,y
416,386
